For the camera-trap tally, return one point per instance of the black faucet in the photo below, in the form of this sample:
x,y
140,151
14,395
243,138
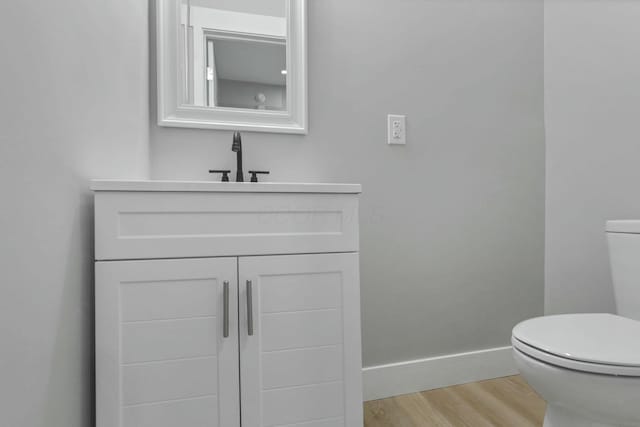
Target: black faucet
x,y
237,148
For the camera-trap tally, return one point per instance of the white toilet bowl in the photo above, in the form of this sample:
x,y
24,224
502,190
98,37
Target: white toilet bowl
x,y
587,366
563,359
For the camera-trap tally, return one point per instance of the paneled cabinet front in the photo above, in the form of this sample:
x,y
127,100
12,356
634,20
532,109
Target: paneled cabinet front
x,y
227,309
162,357
300,347
174,350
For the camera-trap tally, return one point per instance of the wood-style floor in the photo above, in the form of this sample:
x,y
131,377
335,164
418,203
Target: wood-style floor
x,y
503,402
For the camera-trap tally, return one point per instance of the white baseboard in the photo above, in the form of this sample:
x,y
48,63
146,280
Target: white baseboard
x,y
427,374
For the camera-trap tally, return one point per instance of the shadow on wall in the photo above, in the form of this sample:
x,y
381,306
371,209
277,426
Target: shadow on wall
x,y
75,323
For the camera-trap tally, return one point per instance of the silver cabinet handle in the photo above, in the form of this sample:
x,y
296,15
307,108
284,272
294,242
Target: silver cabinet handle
x,y
225,308
249,308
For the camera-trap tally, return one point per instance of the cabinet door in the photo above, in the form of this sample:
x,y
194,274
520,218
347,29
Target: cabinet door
x,y
300,341
162,357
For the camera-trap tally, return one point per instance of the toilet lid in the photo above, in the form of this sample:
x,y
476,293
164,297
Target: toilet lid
x,y
593,338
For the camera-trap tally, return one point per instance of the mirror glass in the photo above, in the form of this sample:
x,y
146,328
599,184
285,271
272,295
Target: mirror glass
x,y
232,54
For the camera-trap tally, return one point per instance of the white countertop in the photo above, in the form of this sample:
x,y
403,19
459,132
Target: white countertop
x,y
222,187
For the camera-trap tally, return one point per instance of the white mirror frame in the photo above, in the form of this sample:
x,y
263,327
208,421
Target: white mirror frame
x,y
175,114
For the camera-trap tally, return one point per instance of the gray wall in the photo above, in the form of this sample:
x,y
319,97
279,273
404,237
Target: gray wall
x,y
451,224
74,105
592,69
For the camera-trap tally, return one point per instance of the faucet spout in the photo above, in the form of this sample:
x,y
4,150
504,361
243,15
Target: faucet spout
x,y
237,148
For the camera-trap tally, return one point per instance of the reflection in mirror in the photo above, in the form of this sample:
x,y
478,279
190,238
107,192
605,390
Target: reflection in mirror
x,y
233,54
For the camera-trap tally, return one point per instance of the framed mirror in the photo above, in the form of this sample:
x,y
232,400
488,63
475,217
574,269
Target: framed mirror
x,y
233,64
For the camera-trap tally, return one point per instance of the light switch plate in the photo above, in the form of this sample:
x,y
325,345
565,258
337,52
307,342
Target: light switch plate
x,y
396,129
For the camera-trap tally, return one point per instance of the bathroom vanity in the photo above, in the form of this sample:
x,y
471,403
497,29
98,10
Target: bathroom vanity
x,y
225,304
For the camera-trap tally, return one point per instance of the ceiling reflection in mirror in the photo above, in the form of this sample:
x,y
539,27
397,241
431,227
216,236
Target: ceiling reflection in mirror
x,y
234,53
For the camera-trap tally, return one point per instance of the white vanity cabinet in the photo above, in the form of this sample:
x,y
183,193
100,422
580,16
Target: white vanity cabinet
x,y
227,305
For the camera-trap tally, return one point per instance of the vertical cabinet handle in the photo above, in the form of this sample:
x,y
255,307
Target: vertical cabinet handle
x,y
249,308
225,308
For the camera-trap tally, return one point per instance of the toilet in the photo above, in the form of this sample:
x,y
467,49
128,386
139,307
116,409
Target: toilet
x,y
587,366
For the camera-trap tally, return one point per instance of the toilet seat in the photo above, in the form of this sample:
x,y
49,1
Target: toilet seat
x,y
595,343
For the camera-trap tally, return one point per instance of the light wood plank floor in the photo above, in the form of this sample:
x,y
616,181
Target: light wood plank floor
x,y
503,402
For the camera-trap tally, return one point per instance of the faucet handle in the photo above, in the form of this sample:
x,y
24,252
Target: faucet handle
x,y
254,175
225,174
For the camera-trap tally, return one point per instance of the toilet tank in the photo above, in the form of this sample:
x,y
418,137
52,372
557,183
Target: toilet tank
x,y
624,254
